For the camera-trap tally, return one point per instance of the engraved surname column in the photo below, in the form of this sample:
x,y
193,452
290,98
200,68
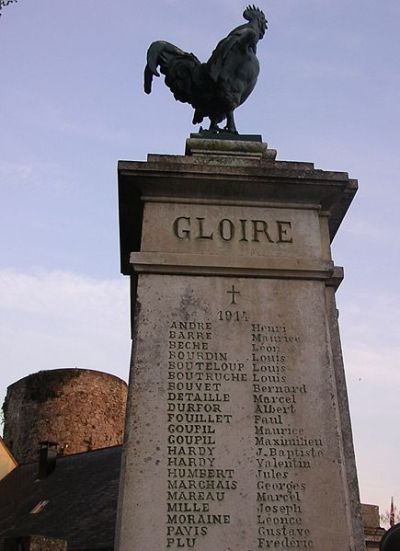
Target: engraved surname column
x,y
195,407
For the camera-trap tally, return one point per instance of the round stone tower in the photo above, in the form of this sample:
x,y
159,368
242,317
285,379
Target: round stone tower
x,y
79,409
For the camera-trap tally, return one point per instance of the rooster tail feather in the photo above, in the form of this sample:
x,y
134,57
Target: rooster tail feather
x,y
178,67
148,79
153,54
160,54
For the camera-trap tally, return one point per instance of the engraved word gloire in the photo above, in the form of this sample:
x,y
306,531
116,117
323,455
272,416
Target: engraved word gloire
x,y
256,231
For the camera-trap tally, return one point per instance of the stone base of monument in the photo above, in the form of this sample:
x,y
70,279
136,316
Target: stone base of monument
x,y
238,435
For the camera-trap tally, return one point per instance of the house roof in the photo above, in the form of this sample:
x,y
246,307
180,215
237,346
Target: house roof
x,y
77,502
7,460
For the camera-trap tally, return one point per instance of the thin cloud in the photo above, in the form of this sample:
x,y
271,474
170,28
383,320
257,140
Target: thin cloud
x,y
31,173
55,319
360,227
370,327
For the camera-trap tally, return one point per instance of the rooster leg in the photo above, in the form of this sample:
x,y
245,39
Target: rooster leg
x,y
230,123
214,126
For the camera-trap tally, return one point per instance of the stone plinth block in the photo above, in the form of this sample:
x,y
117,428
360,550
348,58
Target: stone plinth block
x,y
238,435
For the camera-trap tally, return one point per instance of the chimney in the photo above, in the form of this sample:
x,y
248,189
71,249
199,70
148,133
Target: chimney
x,y
47,458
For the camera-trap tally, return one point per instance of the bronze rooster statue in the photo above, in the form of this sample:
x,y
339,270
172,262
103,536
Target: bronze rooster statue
x,y
216,88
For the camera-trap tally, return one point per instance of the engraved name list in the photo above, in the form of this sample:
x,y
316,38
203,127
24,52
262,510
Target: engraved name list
x,y
201,382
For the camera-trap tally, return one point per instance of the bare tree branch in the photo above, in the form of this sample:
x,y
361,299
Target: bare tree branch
x,y
4,3
385,517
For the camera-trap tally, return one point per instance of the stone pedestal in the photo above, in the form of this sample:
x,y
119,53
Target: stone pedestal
x,y
238,435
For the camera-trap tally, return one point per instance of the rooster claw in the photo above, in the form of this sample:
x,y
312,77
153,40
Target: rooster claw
x,y
214,128
230,130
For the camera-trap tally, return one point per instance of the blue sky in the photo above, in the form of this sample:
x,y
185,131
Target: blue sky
x,y
72,104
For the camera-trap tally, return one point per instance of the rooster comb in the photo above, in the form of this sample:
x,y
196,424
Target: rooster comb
x,y
251,12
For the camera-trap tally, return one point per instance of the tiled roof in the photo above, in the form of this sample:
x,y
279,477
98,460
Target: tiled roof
x,y
77,502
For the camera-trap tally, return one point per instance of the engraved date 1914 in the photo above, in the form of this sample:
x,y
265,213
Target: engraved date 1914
x,y
232,315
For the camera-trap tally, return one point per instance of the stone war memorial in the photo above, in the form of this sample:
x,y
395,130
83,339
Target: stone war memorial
x,y
238,434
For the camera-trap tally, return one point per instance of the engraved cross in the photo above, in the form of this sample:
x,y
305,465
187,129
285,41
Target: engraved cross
x,y
233,292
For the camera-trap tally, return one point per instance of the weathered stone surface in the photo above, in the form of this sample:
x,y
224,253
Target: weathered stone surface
x,y
206,229
80,409
238,435
231,149
372,529
34,543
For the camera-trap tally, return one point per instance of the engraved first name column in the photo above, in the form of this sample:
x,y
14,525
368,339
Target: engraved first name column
x,y
238,435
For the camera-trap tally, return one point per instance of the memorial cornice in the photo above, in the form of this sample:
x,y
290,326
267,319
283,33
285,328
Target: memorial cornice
x,y
227,180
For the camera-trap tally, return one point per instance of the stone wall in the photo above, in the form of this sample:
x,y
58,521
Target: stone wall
x,y
33,543
79,409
